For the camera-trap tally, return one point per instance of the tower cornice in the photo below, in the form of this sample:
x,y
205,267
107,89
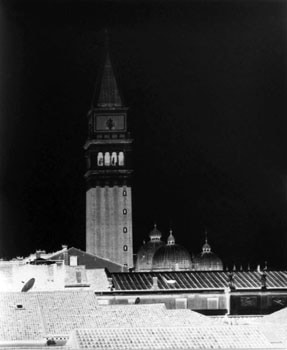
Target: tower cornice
x,y
107,142
109,172
107,110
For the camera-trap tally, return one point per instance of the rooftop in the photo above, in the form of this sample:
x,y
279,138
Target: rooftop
x,y
196,280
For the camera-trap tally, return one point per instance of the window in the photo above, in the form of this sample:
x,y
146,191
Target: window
x,y
107,159
100,160
125,212
114,159
121,159
73,260
124,193
125,248
125,230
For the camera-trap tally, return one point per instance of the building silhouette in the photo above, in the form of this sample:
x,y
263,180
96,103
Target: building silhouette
x,y
108,176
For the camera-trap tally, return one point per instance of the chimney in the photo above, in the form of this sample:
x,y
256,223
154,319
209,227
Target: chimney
x,y
154,283
263,281
231,283
65,254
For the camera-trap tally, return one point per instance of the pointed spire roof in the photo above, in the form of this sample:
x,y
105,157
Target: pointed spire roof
x,y
108,94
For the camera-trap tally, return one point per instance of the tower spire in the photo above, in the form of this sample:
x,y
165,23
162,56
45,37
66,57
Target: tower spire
x,y
108,95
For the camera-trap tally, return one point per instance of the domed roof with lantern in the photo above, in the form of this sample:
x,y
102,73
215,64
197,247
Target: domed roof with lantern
x,y
147,250
171,256
207,260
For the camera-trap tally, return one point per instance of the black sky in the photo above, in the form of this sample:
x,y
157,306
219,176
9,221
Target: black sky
x,y
205,82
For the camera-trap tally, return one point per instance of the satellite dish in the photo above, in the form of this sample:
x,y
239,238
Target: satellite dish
x,y
28,285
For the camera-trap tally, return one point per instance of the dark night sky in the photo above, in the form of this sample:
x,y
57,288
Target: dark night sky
x,y
205,82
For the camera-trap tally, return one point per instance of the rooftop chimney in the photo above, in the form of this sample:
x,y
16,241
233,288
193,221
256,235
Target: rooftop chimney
x,y
154,283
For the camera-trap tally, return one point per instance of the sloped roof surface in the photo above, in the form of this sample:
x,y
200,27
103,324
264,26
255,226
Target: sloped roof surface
x,y
109,95
91,261
216,337
42,313
197,280
20,317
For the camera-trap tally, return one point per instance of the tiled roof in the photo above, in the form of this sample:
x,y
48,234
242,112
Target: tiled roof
x,y
64,311
196,337
191,280
58,313
44,313
140,315
20,317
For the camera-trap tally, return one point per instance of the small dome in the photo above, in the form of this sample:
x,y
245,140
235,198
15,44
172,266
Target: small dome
x,y
206,248
146,252
171,257
207,260
155,234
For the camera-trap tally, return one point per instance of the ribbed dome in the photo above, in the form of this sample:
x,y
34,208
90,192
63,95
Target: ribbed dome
x,y
171,257
146,252
207,260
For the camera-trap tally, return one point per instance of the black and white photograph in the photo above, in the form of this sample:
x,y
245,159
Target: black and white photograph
x,y
143,174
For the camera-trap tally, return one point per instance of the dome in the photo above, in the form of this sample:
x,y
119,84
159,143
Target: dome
x,y
146,252
207,260
171,257
155,234
206,248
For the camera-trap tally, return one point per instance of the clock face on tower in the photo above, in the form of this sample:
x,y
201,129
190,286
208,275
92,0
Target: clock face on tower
x,y
110,123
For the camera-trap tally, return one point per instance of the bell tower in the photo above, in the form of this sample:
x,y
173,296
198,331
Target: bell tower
x,y
108,176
